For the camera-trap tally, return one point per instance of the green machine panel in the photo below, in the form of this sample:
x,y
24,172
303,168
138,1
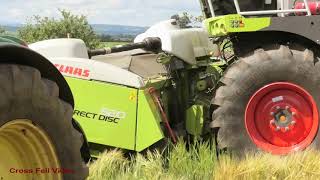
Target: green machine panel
x,y
149,119
106,112
233,23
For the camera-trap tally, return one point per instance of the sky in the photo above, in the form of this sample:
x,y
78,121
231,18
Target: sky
x,y
120,12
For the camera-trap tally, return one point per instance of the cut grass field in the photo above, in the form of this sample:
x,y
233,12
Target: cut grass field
x,y
201,163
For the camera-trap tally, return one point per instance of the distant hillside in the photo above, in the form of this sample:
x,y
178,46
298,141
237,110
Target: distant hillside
x,y
11,28
118,29
101,29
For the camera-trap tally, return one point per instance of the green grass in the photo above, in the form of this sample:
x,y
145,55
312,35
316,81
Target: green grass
x,y
111,44
201,163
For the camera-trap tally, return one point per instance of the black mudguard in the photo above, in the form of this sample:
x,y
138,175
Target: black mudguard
x,y
15,54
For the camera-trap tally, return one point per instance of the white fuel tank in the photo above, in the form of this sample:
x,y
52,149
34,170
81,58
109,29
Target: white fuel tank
x,y
187,44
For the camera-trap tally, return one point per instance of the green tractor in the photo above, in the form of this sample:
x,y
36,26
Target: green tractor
x,y
251,79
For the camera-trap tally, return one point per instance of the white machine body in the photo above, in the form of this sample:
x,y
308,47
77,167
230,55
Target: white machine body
x,y
186,44
71,58
61,48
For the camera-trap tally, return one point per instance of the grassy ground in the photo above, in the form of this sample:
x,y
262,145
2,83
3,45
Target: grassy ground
x,y
201,163
111,44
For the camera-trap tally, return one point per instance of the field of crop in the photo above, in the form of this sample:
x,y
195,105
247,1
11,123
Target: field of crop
x,y
201,163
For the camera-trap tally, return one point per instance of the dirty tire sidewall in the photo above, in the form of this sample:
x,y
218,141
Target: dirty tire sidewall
x,y
273,63
25,95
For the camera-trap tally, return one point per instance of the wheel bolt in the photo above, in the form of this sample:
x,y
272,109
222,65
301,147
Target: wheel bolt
x,y
287,107
286,129
272,121
293,113
277,128
278,107
293,122
272,113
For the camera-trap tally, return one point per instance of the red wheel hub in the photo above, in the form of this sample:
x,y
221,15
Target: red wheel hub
x,y
281,118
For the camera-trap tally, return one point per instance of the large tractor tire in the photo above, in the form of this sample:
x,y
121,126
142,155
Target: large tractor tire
x,y
269,100
37,138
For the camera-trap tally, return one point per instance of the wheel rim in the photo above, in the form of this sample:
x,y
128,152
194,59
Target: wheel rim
x,y
27,148
281,118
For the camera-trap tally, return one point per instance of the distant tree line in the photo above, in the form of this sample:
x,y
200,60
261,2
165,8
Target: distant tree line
x,y
69,26
2,30
76,26
116,38
186,20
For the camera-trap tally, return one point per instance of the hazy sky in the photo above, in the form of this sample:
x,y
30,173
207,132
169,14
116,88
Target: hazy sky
x,y
125,12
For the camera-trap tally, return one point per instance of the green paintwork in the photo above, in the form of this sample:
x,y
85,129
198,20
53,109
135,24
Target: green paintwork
x,y
148,126
199,111
12,40
223,25
139,129
92,96
156,82
164,58
5,39
194,120
216,71
95,153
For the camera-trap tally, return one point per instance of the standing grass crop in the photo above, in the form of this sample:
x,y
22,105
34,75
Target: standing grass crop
x,y
180,163
200,162
300,165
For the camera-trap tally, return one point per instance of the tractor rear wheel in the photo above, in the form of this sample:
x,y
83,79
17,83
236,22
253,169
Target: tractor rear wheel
x,y
37,138
270,101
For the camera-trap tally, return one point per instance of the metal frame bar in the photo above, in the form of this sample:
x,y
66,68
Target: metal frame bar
x,y
271,12
282,7
282,11
307,7
237,6
211,8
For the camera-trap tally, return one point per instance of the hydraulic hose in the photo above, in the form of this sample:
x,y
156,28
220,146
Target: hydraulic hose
x,y
165,120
